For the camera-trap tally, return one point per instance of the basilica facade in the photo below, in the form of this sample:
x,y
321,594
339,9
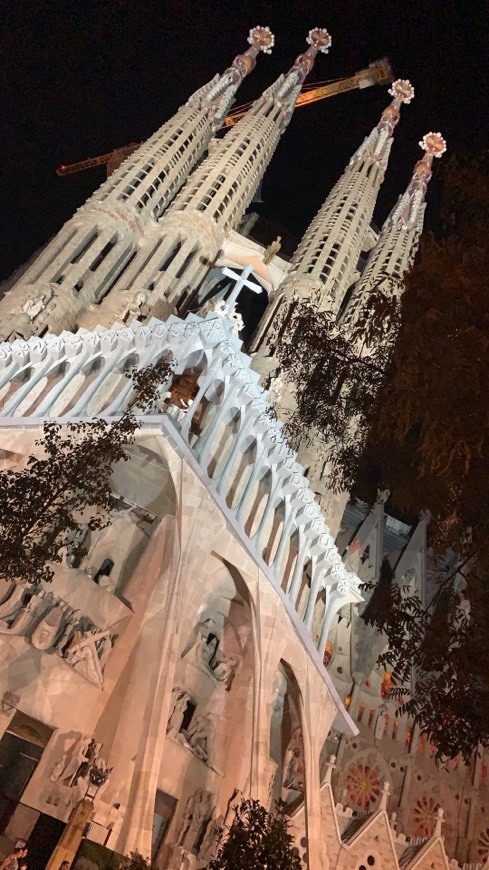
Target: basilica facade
x,y
207,643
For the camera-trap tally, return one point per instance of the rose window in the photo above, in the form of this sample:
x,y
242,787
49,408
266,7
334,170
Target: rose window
x,y
363,786
484,845
424,816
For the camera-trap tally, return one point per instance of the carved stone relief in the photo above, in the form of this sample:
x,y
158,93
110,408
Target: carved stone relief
x,y
198,811
52,625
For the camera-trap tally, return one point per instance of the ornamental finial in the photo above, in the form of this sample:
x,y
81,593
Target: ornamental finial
x,y
262,39
402,90
434,144
319,39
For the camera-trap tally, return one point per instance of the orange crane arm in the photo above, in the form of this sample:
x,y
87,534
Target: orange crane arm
x,y
377,73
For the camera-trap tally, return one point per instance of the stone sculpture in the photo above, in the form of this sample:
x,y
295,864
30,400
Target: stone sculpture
x,y
83,654
272,250
33,307
44,636
225,671
14,603
210,842
198,811
180,700
75,545
200,733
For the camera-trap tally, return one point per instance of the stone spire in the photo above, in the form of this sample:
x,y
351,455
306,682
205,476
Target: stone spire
x,y
394,251
219,191
324,264
80,264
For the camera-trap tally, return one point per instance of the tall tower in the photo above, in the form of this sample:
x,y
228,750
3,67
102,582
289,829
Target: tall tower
x,y
219,191
395,249
325,261
81,263
391,256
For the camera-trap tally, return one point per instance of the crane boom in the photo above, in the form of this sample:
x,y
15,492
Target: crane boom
x,y
377,73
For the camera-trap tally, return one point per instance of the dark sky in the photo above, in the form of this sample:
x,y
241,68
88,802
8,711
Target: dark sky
x,y
80,78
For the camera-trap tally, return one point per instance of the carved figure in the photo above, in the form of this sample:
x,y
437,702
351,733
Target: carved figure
x,y
380,723
200,733
138,308
104,648
210,842
205,641
73,544
197,811
67,629
91,754
10,608
293,766
83,655
33,307
66,768
275,390
225,670
44,636
180,702
6,587
272,249
24,617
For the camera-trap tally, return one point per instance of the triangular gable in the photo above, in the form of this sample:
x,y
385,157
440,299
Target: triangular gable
x,y
371,534
428,856
413,557
373,836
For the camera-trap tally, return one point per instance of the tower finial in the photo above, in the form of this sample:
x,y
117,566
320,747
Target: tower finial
x,y
319,39
261,38
402,91
434,144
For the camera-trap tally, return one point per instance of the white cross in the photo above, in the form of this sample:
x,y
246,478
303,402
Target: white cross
x,y
241,281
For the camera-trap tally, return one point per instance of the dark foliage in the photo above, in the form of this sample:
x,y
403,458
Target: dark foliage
x,y
70,474
257,840
415,415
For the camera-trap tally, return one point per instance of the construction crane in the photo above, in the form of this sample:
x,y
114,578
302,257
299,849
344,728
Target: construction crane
x,y
377,73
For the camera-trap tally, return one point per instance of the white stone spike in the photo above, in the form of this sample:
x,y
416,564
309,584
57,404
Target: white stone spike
x,y
396,247
221,188
78,266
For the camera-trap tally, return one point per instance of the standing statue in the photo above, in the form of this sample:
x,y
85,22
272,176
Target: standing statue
x,y
272,249
180,703
91,754
71,627
66,768
138,309
44,636
75,545
212,835
10,608
380,723
198,810
200,733
293,766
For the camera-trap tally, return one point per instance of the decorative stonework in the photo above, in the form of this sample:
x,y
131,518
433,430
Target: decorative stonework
x,y
424,816
227,364
363,786
483,845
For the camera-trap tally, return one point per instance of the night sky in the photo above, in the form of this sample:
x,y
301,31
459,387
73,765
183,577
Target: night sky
x,y
79,79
